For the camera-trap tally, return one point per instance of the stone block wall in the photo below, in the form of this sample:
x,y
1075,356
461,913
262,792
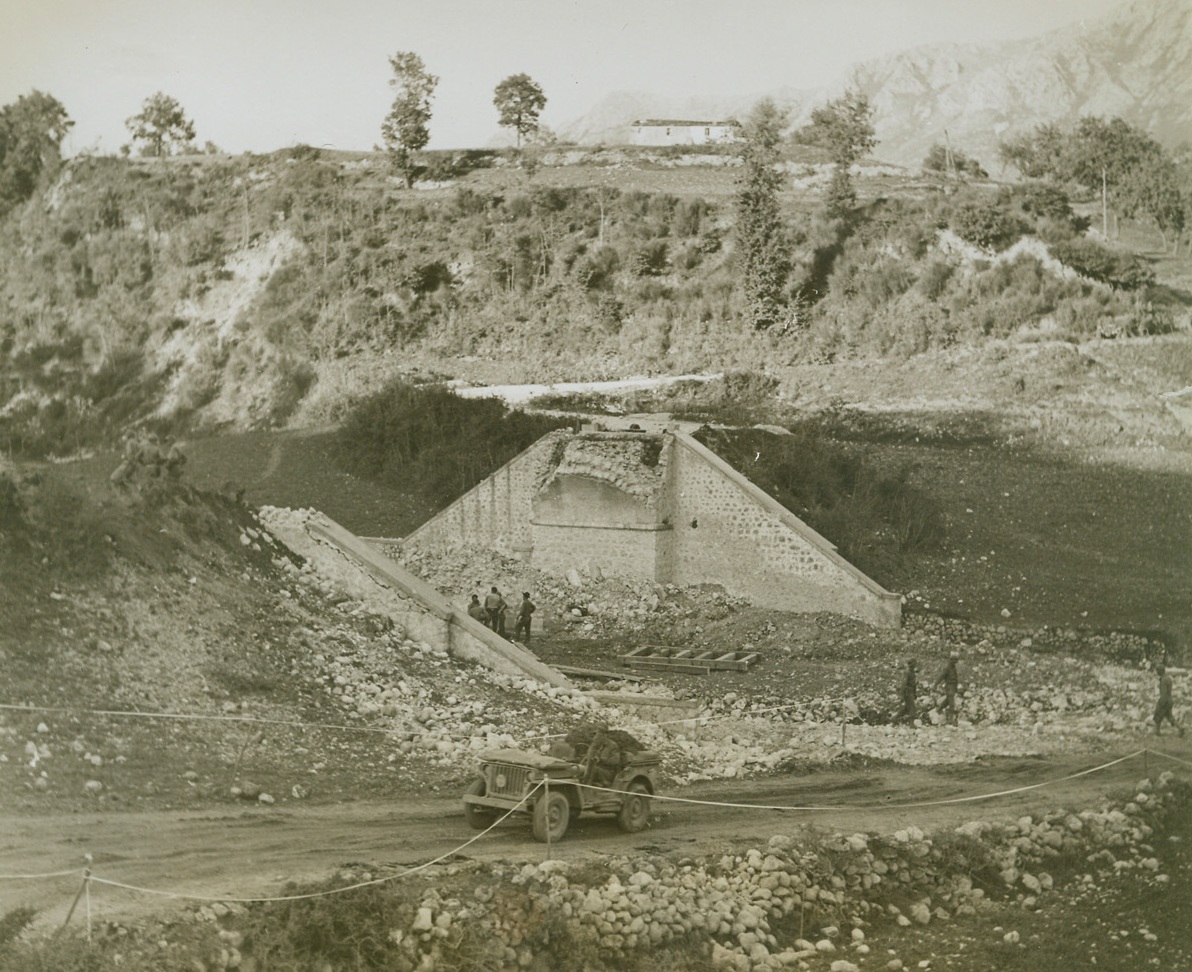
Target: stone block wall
x,y
728,531
616,551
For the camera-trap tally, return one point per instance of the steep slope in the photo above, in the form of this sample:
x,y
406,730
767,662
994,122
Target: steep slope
x,y
280,676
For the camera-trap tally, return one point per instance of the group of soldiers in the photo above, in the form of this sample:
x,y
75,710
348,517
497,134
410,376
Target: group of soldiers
x,y
146,457
949,678
493,611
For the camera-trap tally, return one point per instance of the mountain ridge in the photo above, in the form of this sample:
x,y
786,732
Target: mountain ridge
x,y
1136,63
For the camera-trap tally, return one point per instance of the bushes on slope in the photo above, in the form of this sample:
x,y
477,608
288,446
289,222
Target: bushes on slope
x,y
431,442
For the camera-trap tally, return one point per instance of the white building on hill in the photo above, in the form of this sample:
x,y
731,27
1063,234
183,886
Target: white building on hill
x,y
683,131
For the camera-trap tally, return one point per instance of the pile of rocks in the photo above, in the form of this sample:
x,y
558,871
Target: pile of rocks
x,y
586,603
842,891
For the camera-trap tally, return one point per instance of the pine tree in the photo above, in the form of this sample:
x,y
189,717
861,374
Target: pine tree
x,y
762,247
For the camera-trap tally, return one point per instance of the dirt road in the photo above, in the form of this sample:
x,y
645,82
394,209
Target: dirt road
x,y
253,852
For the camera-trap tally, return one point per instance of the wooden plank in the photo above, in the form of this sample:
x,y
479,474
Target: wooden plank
x,y
665,664
737,661
597,673
667,658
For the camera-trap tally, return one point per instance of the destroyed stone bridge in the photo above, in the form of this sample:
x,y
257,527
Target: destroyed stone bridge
x,y
659,506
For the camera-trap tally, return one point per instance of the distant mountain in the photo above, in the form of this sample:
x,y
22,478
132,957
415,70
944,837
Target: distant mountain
x,y
1135,63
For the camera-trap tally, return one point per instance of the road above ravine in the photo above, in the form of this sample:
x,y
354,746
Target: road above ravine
x,y
253,852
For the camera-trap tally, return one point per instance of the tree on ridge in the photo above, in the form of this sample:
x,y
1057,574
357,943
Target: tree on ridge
x,y
406,129
160,126
519,101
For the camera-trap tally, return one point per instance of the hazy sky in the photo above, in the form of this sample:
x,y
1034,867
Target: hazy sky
x,y
263,74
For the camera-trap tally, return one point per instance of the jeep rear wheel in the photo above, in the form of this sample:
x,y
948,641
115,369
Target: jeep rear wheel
x,y
478,818
634,814
552,813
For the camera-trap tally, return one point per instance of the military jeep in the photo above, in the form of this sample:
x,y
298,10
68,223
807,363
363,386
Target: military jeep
x,y
544,786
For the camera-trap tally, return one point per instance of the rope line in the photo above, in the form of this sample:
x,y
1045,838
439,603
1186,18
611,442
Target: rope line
x,y
1159,752
38,877
196,717
323,894
541,785
877,806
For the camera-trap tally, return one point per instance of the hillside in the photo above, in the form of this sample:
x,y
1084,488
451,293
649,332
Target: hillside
x,y
255,292
1135,63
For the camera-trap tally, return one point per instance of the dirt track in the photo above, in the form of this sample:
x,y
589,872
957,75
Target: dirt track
x,y
253,852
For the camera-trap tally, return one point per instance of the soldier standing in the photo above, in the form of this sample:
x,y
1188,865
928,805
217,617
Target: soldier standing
x,y
524,610
493,604
476,610
950,679
908,712
1164,707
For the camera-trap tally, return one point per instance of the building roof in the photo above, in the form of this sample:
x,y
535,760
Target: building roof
x,y
685,122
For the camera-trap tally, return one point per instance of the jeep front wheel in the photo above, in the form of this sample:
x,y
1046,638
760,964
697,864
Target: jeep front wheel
x,y
635,811
478,818
552,813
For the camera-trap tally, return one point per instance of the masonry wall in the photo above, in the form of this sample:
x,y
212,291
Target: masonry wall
x,y
729,532
496,513
601,508
618,551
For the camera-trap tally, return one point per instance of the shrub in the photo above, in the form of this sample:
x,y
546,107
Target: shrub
x,y
649,260
294,379
986,223
595,270
934,278
1098,262
429,441
937,160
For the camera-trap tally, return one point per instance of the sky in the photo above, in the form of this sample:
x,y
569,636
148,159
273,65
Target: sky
x,y
260,75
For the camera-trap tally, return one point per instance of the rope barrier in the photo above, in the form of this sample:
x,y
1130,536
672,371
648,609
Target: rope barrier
x,y
322,894
1159,752
90,877
254,720
196,717
876,806
39,877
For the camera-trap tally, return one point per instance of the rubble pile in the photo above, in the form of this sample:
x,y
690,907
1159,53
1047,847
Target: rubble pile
x,y
582,603
451,711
